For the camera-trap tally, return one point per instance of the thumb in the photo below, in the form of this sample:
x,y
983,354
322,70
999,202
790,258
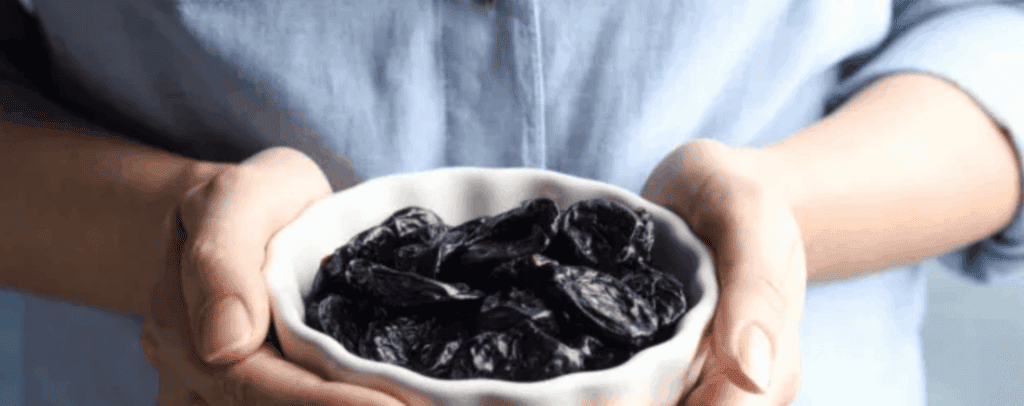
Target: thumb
x,y
229,220
761,284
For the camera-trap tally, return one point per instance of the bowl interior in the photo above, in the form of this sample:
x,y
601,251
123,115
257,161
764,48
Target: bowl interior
x,y
458,195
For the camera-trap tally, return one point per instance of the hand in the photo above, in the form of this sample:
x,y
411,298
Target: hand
x,y
210,312
750,352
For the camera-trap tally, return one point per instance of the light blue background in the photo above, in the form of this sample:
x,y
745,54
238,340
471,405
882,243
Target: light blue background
x,y
974,342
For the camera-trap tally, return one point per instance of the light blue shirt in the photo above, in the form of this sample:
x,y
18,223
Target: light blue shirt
x,y
598,89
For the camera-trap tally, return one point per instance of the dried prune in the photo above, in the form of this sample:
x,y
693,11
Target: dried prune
x,y
603,234
403,289
415,225
330,315
481,244
488,354
606,304
417,258
417,232
530,272
394,341
376,244
506,309
597,355
664,291
330,278
545,356
524,295
436,357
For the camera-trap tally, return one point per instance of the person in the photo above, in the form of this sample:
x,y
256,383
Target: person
x,y
811,145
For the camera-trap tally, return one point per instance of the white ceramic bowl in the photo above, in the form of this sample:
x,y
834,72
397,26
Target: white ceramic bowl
x,y
651,377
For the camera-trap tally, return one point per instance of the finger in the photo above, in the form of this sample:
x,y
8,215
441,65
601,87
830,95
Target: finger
x,y
150,343
716,386
697,368
229,221
762,278
719,390
696,382
266,379
693,374
173,393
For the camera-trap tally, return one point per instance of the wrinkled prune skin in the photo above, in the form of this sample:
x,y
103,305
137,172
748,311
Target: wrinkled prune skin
x,y
436,357
506,309
489,354
403,289
664,291
418,258
597,355
415,225
602,303
417,233
330,277
545,356
482,244
530,272
525,295
330,315
604,235
376,244
392,341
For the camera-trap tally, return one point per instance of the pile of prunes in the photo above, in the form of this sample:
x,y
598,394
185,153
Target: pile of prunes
x,y
526,295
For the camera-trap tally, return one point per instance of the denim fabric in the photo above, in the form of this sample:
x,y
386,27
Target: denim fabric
x,y
598,89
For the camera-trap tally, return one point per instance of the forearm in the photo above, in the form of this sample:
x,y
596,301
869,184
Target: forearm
x,y
84,217
908,169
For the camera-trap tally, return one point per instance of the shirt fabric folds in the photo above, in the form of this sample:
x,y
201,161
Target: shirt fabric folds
x,y
597,89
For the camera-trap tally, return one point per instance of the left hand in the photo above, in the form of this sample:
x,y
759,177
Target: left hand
x,y
205,353
750,352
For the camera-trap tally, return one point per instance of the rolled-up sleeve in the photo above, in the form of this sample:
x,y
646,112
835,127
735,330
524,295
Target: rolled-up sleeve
x,y
979,47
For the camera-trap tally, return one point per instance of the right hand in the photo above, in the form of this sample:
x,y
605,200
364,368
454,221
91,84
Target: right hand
x,y
750,352
210,312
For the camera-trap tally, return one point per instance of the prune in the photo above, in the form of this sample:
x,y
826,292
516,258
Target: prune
x,y
524,295
415,225
403,289
604,235
482,244
417,232
330,278
331,318
488,354
436,357
529,272
545,356
606,304
417,258
597,355
506,309
376,244
394,341
664,291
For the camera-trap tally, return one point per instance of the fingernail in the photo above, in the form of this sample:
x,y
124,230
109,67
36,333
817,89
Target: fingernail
x,y
226,326
756,356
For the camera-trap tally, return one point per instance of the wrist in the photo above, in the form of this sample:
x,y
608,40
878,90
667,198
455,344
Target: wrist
x,y
721,189
194,175
191,176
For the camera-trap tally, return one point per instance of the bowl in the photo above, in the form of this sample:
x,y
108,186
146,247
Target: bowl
x,y
651,377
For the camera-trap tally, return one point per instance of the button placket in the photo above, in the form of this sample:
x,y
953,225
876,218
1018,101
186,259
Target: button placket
x,y
529,85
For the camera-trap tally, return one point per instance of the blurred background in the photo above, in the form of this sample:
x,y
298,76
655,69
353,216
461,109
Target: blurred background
x,y
974,342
